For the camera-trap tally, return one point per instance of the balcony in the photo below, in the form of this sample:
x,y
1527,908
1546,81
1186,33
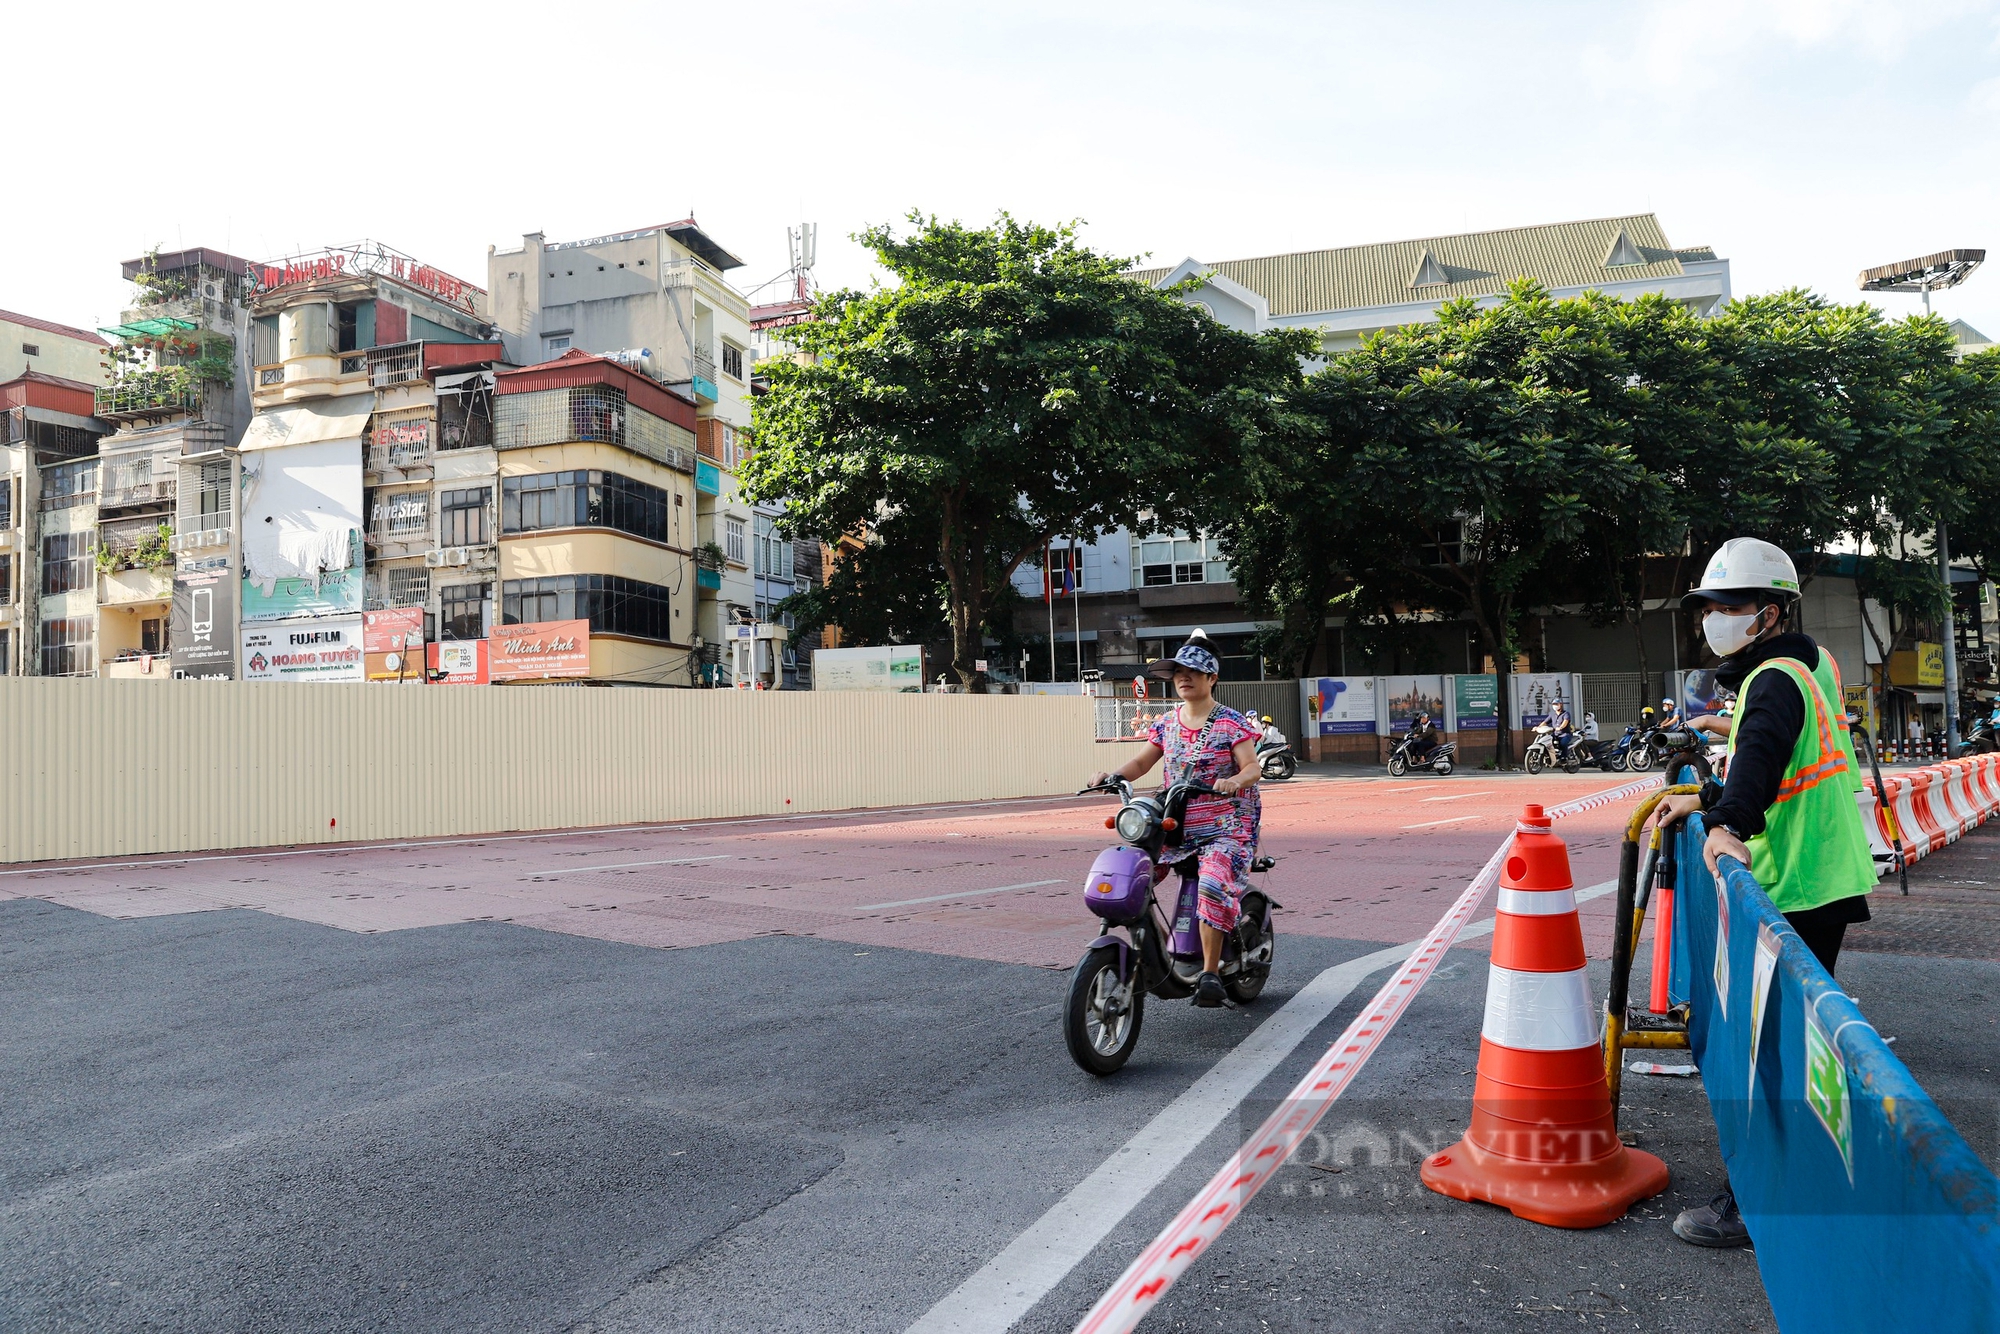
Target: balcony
x,y
400,446
127,483
214,535
140,667
157,393
124,588
398,363
589,413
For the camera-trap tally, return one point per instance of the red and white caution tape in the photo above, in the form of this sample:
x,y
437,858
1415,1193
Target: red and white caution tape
x,y
1126,1302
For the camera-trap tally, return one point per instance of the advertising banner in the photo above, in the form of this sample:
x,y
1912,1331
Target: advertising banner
x,y
201,625
322,649
393,642
302,548
1338,705
1475,703
336,593
878,667
1535,695
1408,696
539,651
461,662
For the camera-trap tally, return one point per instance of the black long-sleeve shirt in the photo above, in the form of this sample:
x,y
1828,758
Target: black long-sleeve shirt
x,y
1768,721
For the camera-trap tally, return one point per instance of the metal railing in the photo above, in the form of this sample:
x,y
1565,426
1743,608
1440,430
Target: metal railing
x,y
270,375
136,482
170,390
353,363
589,413
398,363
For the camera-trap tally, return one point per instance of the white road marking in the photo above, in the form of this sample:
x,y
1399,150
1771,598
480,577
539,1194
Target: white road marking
x,y
1461,796
1008,1286
1429,824
626,866
961,894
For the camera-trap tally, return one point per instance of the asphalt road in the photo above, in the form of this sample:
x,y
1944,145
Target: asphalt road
x,y
238,1119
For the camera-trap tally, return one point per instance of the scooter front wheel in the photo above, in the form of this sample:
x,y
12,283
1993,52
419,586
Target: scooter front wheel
x,y
1398,766
1102,1018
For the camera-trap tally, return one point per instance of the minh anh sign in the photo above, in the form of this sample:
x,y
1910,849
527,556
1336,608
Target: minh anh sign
x,y
540,651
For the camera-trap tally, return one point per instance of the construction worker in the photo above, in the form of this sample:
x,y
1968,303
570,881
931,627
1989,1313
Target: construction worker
x,y
1787,809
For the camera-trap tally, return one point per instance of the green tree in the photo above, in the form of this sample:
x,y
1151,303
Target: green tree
x,y
1009,387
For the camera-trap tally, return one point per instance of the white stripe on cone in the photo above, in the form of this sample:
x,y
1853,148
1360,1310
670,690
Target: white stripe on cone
x,y
1537,902
1538,1011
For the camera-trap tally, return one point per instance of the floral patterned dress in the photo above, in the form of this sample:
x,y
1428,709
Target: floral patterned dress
x,y
1223,829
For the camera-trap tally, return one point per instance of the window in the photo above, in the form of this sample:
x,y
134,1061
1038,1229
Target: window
x,y
6,578
732,542
1162,560
67,649
69,562
6,502
31,349
152,636
69,484
462,517
584,500
348,325
774,553
613,604
6,653
465,611
1440,547
732,361
409,586
212,494
555,347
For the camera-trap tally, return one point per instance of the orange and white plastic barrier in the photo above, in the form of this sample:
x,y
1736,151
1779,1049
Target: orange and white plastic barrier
x,y
1930,807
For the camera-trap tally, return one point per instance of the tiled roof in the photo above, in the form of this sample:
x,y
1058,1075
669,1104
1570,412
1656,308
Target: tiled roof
x,y
1559,255
50,326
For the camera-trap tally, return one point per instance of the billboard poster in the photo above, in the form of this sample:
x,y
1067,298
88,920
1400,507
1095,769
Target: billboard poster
x,y
879,667
539,651
393,644
458,662
1340,705
317,650
1477,702
1409,696
1535,695
201,625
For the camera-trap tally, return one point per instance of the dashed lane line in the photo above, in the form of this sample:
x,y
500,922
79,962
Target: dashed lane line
x,y
1432,824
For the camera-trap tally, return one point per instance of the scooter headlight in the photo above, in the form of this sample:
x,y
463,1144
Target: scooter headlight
x,y
1134,824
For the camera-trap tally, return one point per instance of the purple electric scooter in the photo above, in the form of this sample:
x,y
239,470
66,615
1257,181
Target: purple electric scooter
x,y
1107,993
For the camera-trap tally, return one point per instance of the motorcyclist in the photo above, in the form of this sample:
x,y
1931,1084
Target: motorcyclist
x,y
1423,738
1787,808
1562,729
1270,734
1590,737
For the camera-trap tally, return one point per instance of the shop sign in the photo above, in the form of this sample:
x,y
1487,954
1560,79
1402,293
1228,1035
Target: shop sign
x,y
368,259
414,432
393,642
1921,666
320,649
540,651
458,662
201,625
338,592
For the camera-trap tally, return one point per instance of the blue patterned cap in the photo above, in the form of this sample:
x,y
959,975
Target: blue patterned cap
x,y
1191,655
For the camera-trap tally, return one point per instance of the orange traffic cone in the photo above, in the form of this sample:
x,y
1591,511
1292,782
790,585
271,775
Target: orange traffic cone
x,y
1543,1142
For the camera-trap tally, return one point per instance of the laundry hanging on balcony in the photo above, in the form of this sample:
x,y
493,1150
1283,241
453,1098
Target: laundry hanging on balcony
x,y
301,511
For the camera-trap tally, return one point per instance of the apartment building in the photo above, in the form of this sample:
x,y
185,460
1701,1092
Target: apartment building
x,y
179,400
597,517
49,348
340,472
48,526
656,301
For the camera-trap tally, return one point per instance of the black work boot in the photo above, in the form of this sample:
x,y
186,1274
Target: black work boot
x,y
1208,993
1716,1224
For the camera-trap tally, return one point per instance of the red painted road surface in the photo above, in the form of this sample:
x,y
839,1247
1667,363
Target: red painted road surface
x,y
1359,859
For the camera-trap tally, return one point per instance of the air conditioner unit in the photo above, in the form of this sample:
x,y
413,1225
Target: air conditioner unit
x,y
433,559
457,556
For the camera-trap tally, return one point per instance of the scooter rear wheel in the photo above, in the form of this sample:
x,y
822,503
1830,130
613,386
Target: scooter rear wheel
x,y
1098,1041
1254,937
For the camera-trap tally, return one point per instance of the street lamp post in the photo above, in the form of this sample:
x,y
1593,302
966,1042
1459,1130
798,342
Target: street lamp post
x,y
1926,274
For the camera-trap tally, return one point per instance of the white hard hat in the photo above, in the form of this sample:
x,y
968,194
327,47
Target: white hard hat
x,y
1746,565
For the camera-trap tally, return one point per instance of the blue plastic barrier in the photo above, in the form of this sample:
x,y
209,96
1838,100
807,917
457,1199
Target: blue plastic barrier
x,y
1868,1209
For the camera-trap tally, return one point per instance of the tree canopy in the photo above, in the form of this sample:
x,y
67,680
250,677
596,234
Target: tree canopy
x,y
1010,386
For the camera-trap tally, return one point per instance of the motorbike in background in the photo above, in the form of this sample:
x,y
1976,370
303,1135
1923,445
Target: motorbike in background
x,y
1544,753
1156,955
1276,759
1440,761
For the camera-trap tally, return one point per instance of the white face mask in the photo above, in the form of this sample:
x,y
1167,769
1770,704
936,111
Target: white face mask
x,y
1728,634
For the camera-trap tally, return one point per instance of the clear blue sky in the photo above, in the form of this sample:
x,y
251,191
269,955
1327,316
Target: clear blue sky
x,y
1803,141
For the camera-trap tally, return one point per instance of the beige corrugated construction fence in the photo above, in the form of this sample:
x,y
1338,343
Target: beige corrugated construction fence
x,y
96,768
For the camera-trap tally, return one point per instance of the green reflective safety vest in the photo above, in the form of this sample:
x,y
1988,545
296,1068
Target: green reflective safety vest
x,y
1814,848
1827,673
